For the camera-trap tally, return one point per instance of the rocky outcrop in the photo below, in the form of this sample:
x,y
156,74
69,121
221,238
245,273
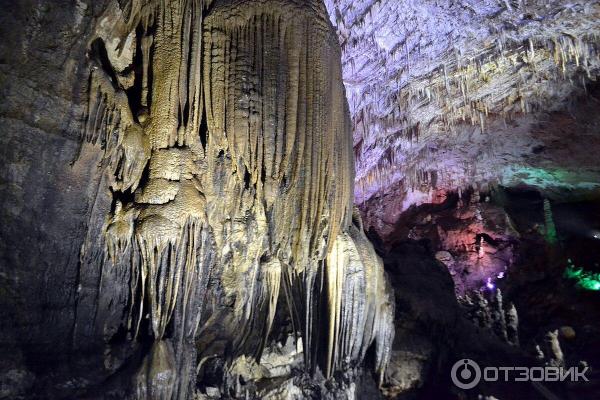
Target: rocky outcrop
x,y
434,330
471,234
217,147
492,315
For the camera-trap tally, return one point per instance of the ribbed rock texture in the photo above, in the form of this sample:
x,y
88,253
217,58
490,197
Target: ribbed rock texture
x,y
177,185
227,182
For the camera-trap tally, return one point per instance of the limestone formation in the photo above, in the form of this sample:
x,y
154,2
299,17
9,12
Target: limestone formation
x,y
449,95
177,180
228,156
490,314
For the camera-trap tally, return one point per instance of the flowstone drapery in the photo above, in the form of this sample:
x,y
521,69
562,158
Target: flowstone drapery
x,y
228,156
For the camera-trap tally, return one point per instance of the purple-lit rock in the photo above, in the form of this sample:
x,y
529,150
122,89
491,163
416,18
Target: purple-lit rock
x,y
448,95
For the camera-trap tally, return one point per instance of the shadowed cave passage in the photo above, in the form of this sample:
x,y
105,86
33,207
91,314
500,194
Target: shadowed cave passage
x,y
297,199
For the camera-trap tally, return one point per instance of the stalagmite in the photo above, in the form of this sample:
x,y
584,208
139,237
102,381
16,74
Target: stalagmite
x,y
231,162
361,306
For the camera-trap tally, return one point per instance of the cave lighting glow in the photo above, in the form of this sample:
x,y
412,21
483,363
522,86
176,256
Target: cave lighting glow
x,y
584,279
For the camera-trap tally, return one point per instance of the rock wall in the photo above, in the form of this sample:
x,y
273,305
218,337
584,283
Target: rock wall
x,y
206,184
45,200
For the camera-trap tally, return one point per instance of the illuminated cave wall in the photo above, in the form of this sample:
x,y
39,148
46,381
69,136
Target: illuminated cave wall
x,y
447,96
453,98
228,165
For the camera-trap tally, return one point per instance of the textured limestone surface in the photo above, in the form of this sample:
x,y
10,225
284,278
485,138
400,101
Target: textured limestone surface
x,y
204,174
448,95
45,200
177,180
554,153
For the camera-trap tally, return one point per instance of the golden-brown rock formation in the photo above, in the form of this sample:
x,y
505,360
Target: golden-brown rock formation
x,y
228,153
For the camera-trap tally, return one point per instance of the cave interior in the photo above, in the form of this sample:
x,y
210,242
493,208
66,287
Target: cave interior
x,y
299,199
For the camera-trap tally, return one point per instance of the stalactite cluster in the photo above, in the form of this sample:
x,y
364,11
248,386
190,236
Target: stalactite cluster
x,y
466,91
432,84
228,158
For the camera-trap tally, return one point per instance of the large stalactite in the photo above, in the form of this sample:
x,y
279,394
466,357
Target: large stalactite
x,y
228,157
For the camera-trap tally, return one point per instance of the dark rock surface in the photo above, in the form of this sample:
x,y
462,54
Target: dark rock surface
x,y
533,307
45,199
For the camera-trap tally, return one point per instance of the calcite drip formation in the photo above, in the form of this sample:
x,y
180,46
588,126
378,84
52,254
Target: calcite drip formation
x,y
463,77
228,156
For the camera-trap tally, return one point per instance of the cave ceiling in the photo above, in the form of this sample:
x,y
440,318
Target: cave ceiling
x,y
448,95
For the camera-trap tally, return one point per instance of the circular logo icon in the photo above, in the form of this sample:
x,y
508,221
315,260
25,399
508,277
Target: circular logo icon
x,y
465,374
